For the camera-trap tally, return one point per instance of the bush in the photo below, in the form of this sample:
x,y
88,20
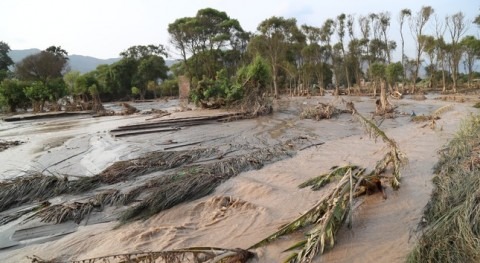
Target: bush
x,y
12,95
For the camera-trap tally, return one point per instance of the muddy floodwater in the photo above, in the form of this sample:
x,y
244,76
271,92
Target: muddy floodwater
x,y
244,209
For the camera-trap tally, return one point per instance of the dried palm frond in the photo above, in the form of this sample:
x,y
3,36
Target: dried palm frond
x,y
193,254
29,188
39,187
320,111
394,156
77,211
152,162
57,214
434,116
195,181
442,110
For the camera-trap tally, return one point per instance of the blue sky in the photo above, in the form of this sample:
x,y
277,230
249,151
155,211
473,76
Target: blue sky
x,y
104,28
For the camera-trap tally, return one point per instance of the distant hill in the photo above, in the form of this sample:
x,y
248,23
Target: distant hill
x,y
77,62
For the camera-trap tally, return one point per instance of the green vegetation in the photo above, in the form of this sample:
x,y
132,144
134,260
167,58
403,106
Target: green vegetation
x,y
344,51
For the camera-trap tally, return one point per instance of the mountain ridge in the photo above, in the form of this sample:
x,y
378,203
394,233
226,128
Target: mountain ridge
x,y
80,63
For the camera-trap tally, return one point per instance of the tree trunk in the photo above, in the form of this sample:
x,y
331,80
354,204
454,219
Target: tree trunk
x,y
274,75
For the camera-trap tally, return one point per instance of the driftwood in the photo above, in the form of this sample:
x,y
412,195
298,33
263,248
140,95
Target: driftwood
x,y
170,124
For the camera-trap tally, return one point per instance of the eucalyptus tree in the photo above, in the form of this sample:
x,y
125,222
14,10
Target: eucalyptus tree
x,y
417,25
208,42
278,35
401,20
457,26
5,60
471,47
326,33
430,46
311,53
441,49
365,29
384,24
341,35
354,50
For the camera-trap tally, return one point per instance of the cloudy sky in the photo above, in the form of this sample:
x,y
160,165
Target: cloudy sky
x,y
104,28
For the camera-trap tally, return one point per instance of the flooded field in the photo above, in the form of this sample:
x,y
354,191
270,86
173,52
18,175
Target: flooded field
x,y
244,208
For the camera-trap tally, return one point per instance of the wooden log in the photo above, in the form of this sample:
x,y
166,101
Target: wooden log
x,y
123,134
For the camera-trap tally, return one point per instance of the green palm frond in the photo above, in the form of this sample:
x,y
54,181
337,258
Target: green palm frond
x,y
318,182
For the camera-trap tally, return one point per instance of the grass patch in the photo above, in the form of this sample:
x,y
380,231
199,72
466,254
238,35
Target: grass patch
x,y
451,224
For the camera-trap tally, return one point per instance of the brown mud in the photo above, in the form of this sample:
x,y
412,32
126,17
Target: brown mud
x,y
244,209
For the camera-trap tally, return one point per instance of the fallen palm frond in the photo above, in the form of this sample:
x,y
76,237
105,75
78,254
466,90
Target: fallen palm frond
x,y
195,181
316,215
152,162
40,187
77,211
337,206
434,116
28,188
320,111
194,254
328,215
394,156
318,182
451,222
57,214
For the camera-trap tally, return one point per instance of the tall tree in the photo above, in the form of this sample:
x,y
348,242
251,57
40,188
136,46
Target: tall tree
x,y
354,50
326,32
384,21
278,34
5,60
401,19
457,26
341,35
441,49
148,65
471,47
430,45
44,66
417,25
208,42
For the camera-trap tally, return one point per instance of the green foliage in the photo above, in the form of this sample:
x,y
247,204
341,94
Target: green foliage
x,y
43,66
394,72
135,91
208,42
12,95
5,60
169,87
259,72
377,71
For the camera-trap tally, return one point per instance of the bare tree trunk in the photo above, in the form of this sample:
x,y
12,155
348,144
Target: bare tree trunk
x,y
274,73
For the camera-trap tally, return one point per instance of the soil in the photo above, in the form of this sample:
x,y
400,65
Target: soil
x,y
246,208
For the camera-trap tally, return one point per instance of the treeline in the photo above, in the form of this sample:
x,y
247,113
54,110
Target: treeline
x,y
217,56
